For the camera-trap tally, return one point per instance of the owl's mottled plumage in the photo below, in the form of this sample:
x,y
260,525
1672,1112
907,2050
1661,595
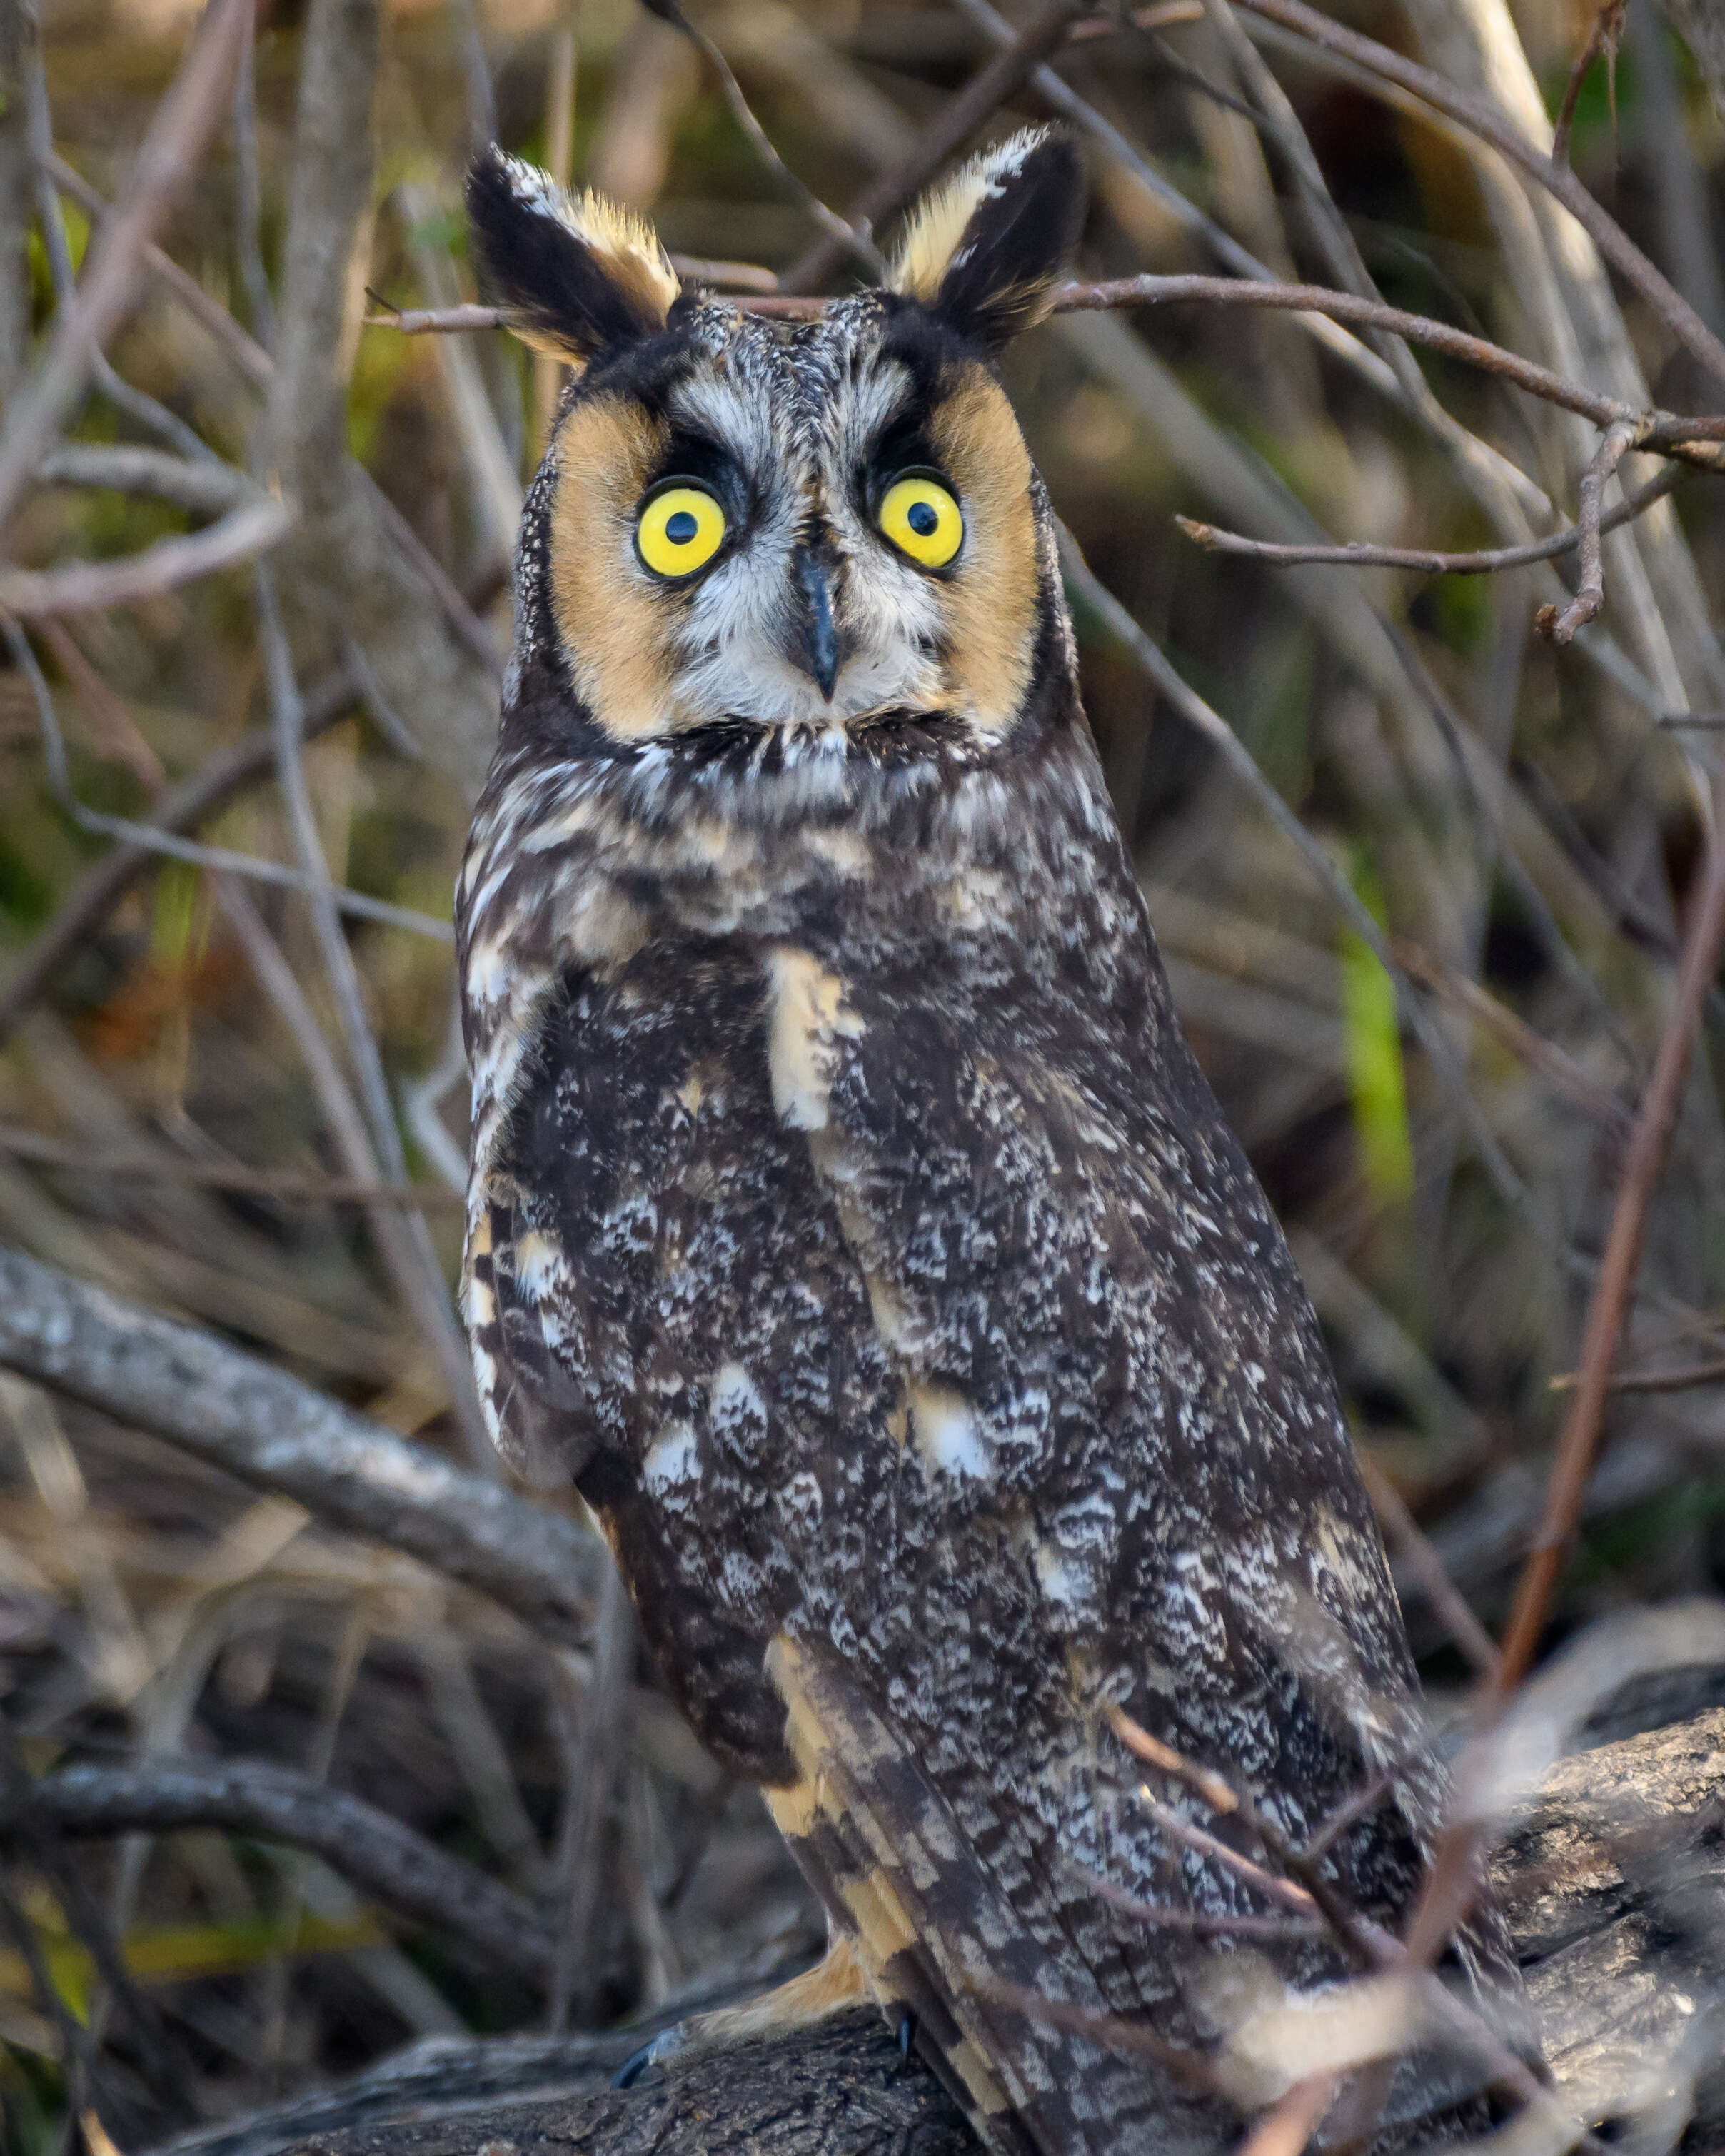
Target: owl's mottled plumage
x,y
848,1216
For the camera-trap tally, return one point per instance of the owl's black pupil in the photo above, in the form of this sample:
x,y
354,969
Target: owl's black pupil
x,y
922,517
681,527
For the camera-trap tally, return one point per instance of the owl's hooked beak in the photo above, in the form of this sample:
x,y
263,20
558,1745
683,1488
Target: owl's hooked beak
x,y
816,646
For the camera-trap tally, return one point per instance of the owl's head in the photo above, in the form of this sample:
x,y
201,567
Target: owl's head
x,y
747,529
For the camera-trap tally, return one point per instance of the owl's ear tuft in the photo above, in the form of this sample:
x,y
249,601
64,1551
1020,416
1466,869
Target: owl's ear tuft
x,y
577,275
983,250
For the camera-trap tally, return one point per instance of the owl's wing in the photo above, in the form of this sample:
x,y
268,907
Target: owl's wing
x,y
939,1939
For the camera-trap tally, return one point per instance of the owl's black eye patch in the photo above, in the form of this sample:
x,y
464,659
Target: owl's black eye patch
x,y
689,456
902,446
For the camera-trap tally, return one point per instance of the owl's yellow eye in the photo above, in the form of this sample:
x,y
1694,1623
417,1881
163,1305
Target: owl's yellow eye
x,y
922,519
679,531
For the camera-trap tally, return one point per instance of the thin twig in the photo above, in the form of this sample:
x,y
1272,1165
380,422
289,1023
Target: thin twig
x,y
184,805
1698,438
848,240
1544,1058
182,1383
1578,1439
1650,1381
1200,1924
404,1240
1590,586
253,361
1361,554
1416,1551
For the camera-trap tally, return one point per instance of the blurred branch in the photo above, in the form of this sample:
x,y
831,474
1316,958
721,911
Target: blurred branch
x,y
169,154
1547,1062
346,562
1405,1535
1485,120
1602,37
17,188
1360,553
375,1153
255,1422
282,1188
376,1852
247,353
184,805
1331,877
82,586
992,86
844,236
249,207
1652,1381
203,489
155,839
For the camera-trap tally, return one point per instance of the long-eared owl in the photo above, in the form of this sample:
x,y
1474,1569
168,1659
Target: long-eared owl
x,y
850,1220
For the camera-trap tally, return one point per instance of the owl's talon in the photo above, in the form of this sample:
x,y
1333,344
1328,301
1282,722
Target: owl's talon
x,y
651,2054
906,2034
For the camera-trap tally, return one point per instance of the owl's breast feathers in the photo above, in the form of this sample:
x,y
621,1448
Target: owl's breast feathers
x,y
849,1217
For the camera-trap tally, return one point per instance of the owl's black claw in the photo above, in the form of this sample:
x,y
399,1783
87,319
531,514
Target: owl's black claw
x,y
906,2033
633,2067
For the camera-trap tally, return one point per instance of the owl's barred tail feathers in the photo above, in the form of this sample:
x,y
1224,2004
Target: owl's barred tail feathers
x,y
935,1939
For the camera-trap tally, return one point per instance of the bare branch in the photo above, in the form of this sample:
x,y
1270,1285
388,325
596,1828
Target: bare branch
x,y
278,1435
202,489
845,235
366,1845
1700,439
246,352
155,840
1405,1534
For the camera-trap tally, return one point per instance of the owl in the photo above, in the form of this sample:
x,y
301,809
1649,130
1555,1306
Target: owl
x,y
849,1221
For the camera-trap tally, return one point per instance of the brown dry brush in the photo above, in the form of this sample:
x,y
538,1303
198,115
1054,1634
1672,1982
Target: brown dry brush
x,y
1385,434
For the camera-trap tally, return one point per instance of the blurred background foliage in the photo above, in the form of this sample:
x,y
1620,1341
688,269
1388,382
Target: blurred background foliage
x,y
1517,817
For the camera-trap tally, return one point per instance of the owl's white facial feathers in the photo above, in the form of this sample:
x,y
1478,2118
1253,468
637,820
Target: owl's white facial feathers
x,y
733,644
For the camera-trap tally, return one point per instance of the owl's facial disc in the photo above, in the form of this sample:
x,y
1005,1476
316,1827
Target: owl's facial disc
x,y
794,532
811,529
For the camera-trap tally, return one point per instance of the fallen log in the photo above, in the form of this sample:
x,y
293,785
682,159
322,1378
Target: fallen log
x,y
1613,1882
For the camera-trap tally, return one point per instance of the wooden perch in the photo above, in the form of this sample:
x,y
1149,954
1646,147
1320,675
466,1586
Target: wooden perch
x,y
1614,1883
